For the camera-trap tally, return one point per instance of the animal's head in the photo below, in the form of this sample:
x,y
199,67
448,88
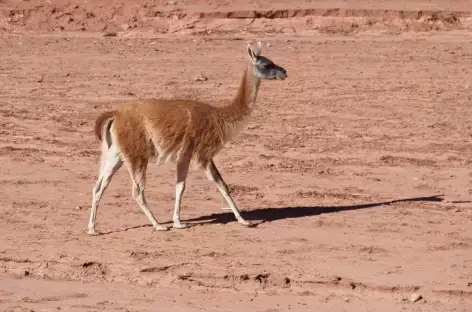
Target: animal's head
x,y
264,68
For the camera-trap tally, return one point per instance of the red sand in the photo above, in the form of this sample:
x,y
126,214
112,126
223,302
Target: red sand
x,y
341,162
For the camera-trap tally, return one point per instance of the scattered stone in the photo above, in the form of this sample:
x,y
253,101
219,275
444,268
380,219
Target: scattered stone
x,y
40,79
43,276
110,34
125,26
20,272
201,78
88,264
415,297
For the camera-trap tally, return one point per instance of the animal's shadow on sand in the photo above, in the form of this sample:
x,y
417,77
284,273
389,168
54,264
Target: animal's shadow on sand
x,y
262,215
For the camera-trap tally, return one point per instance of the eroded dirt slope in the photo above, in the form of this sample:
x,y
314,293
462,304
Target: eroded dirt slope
x,y
229,17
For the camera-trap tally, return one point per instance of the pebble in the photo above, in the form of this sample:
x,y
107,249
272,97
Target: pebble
x,y
415,297
125,26
201,78
20,272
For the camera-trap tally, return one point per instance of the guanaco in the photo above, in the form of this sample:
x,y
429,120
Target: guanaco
x,y
179,131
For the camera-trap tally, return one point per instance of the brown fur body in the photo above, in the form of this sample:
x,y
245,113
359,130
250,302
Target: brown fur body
x,y
168,129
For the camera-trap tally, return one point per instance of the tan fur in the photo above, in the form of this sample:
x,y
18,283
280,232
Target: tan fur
x,y
100,121
167,129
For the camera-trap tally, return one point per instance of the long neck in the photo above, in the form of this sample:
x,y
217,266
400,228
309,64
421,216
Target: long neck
x,y
243,103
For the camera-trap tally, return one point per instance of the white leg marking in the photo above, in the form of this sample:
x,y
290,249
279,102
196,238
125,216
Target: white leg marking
x,y
139,180
179,190
108,167
213,175
182,171
138,195
222,204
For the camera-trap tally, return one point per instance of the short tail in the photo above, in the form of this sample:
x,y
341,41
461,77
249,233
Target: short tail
x,y
104,120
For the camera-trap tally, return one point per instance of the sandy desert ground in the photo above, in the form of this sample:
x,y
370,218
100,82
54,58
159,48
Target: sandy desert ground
x,y
357,167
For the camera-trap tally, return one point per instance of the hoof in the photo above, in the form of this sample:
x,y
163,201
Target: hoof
x,y
179,225
92,232
160,228
247,223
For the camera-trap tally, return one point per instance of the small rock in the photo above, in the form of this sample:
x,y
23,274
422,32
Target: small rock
x,y
20,272
457,210
415,297
40,79
110,34
125,26
201,78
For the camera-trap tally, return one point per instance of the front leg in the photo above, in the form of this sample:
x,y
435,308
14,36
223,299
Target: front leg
x,y
214,175
182,171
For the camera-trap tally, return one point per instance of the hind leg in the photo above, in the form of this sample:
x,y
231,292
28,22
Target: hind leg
x,y
138,175
110,164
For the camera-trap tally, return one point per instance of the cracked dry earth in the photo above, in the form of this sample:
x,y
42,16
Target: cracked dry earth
x,y
341,164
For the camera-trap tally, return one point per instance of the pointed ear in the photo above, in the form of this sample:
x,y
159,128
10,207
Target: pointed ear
x,y
250,52
258,49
